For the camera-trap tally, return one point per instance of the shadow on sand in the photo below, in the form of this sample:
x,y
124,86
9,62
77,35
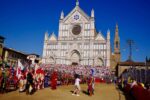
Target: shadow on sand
x,y
85,92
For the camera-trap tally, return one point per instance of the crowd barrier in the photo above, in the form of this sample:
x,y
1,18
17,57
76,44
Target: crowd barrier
x,y
99,80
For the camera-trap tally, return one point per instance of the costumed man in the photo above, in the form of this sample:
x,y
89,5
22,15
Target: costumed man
x,y
15,79
3,82
21,81
91,82
42,78
37,79
1,72
46,80
30,84
54,77
0,77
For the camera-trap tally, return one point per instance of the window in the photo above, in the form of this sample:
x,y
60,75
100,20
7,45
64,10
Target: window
x,y
63,27
94,46
66,27
101,46
88,33
104,46
104,53
87,26
84,33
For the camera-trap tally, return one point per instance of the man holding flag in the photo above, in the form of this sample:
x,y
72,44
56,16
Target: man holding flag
x,y
21,76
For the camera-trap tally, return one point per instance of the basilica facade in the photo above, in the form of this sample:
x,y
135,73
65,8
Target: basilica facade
x,y
78,41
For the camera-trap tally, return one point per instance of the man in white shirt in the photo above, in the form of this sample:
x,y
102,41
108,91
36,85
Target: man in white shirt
x,y
77,86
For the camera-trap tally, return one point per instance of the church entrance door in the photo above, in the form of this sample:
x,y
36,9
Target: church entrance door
x,y
51,60
74,63
75,57
99,62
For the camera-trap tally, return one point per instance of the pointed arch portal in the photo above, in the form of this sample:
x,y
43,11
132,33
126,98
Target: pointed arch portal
x,y
99,62
51,60
75,57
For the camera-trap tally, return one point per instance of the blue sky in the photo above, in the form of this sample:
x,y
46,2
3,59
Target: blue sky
x,y
24,22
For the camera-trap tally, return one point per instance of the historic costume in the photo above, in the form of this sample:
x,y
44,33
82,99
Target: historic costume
x,y
46,80
39,78
22,82
29,85
91,85
54,80
3,82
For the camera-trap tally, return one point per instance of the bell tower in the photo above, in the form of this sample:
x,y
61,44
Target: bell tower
x,y
117,44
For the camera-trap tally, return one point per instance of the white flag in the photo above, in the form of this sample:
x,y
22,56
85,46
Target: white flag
x,y
20,65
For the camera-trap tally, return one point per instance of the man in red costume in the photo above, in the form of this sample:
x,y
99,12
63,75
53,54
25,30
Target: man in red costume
x,y
54,80
91,82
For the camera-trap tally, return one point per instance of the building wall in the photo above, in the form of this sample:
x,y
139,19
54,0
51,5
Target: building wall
x,y
88,54
11,56
113,63
122,68
88,47
1,49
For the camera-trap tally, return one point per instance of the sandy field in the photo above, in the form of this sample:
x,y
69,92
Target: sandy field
x,y
102,92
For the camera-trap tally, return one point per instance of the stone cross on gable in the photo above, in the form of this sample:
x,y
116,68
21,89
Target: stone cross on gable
x,y
77,2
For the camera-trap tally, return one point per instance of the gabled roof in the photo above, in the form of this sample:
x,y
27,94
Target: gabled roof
x,y
53,37
13,50
100,36
131,63
77,8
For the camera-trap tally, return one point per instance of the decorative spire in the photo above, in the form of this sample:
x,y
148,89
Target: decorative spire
x,y
117,40
116,29
92,13
46,36
117,33
77,2
53,33
100,32
108,34
62,15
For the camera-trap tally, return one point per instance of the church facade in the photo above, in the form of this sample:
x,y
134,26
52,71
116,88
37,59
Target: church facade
x,y
78,41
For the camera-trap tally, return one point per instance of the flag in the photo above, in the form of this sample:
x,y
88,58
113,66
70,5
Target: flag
x,y
36,67
19,68
18,73
20,65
